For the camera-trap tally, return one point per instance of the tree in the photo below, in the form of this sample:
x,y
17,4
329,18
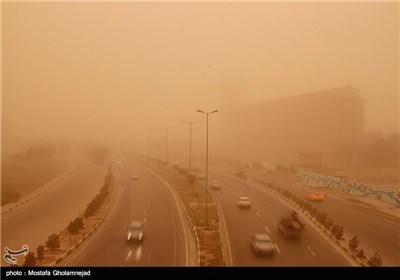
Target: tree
x,y
361,254
334,229
75,225
382,152
339,234
192,180
354,243
40,252
328,224
376,260
53,243
176,167
30,259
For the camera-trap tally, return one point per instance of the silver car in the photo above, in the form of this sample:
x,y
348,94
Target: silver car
x,y
135,232
263,244
244,202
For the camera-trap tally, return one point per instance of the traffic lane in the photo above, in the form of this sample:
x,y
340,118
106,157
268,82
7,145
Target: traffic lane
x,y
243,223
315,247
109,246
33,222
266,216
365,222
169,241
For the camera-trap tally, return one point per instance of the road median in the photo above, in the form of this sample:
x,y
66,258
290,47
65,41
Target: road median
x,y
193,200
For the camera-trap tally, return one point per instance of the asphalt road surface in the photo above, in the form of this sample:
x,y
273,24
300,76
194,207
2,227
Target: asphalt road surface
x,y
147,199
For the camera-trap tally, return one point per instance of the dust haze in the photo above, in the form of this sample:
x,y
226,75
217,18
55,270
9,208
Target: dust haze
x,y
116,73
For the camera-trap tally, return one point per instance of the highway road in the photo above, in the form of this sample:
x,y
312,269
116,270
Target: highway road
x,y
312,249
33,222
148,199
377,231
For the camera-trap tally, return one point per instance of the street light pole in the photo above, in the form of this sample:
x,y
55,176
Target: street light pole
x,y
166,153
207,113
148,142
190,146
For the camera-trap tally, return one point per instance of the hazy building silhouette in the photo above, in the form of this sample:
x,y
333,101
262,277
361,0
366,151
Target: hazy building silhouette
x,y
281,129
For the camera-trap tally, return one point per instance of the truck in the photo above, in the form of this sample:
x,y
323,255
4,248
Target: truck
x,y
291,227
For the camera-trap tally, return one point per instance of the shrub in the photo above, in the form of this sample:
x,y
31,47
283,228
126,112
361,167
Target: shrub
x,y
53,243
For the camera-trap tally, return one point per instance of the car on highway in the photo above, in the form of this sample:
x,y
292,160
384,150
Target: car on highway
x,y
216,185
244,202
134,176
200,176
316,197
263,244
135,232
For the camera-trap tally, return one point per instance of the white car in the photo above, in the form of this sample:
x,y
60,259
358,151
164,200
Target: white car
x,y
135,176
244,202
216,185
263,244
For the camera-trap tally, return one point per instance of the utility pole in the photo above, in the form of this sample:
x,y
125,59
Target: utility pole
x,y
207,113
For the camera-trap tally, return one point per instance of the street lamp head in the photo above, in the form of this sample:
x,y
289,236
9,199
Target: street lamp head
x,y
200,111
215,111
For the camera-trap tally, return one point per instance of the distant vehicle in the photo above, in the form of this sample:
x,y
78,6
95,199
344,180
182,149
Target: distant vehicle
x,y
200,176
244,202
316,197
134,176
263,244
216,185
291,227
135,232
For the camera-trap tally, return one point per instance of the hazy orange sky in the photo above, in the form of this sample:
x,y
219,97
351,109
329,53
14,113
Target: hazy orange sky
x,y
101,69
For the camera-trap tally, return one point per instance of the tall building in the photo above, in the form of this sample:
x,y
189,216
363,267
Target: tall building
x,y
282,129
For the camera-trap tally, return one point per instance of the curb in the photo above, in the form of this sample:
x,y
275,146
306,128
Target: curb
x,y
223,235
87,234
188,220
30,198
308,217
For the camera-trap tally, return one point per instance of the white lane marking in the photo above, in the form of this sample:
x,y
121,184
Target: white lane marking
x,y
277,248
144,220
179,209
129,254
138,253
267,229
308,247
258,215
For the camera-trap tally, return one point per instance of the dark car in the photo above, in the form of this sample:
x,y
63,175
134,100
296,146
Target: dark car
x,y
263,244
135,232
216,185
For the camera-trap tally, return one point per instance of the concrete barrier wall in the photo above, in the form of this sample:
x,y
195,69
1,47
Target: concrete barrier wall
x,y
352,186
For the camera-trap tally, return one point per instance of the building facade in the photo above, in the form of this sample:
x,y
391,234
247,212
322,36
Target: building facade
x,y
281,129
